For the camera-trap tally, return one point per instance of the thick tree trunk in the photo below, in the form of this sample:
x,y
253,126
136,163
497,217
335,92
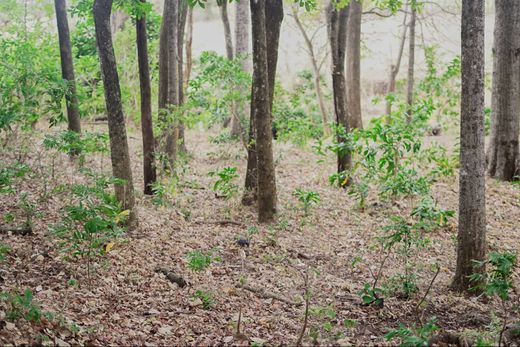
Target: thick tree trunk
x,y
227,29
353,65
472,195
337,27
316,72
394,69
273,21
242,51
266,17
411,65
503,152
150,175
120,156
67,67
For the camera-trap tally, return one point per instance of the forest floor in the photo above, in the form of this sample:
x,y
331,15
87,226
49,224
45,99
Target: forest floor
x,y
127,302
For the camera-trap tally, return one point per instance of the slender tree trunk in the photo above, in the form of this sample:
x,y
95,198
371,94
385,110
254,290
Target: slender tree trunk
x,y
227,29
241,50
273,22
67,66
472,195
337,27
394,69
189,45
316,72
163,63
172,95
119,153
150,175
353,65
503,152
183,12
411,63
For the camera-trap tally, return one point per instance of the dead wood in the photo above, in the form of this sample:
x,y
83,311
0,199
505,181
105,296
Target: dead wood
x,y
266,295
23,231
220,222
172,277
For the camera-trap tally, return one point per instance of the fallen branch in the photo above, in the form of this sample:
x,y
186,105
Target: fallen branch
x,y
172,277
25,230
266,295
220,222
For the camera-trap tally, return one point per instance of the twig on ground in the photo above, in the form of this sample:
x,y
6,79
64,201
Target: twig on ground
x,y
266,295
25,230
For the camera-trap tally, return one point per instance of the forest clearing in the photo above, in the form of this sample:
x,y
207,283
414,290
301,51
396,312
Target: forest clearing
x,y
156,192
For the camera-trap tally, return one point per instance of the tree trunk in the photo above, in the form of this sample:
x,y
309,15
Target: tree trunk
x,y
67,66
394,69
411,63
150,175
273,21
337,27
119,153
169,78
183,12
227,29
503,152
353,65
266,19
189,45
316,72
472,195
242,52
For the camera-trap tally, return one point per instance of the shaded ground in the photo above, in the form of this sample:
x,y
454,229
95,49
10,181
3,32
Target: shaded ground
x,y
129,303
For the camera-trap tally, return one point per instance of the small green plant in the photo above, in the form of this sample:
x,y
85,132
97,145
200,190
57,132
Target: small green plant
x,y
413,336
198,260
80,144
498,281
92,221
21,306
11,173
206,298
429,215
224,185
371,295
307,198
4,250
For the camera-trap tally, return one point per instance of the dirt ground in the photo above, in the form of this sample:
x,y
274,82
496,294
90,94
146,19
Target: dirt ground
x,y
129,303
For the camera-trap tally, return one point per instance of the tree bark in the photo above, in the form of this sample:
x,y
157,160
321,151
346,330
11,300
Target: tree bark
x,y
183,12
149,171
119,152
266,19
394,69
503,151
316,72
411,64
189,44
472,195
67,66
242,52
273,21
337,27
227,29
353,65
